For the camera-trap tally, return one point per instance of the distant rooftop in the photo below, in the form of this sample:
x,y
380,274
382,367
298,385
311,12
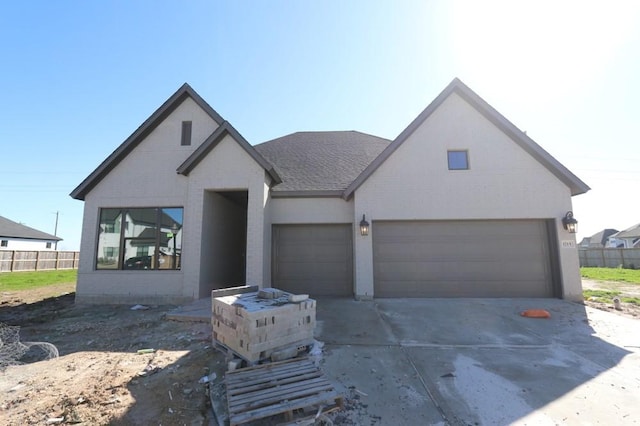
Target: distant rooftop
x,y
11,229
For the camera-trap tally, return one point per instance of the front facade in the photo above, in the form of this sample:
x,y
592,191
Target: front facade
x,y
460,204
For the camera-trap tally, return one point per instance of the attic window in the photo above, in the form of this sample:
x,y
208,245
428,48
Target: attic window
x,y
186,133
458,160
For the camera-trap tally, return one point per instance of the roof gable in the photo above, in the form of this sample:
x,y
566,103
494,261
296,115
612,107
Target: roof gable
x,y
214,139
9,228
576,185
184,92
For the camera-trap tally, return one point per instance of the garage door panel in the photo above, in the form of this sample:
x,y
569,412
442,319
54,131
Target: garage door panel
x,y
443,271
448,289
313,259
501,258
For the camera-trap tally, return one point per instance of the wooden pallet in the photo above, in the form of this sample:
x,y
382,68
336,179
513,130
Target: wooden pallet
x,y
281,387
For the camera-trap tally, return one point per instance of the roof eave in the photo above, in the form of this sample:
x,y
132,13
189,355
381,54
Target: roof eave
x,y
307,194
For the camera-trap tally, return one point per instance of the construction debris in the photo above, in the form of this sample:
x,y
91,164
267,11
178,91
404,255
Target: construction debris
x,y
278,388
253,327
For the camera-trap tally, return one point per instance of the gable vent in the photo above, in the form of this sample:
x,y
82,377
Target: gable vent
x,y
186,133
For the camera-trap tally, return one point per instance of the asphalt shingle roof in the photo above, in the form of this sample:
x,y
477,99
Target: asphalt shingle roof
x,y
599,239
631,232
9,228
321,161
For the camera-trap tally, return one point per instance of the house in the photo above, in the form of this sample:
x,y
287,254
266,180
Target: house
x,y
629,238
16,236
440,211
597,240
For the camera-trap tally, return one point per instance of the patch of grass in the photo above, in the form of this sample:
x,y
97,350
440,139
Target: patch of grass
x,y
603,295
631,276
11,281
607,296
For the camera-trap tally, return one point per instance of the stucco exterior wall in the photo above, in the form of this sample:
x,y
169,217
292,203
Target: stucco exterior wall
x,y
146,177
503,182
310,210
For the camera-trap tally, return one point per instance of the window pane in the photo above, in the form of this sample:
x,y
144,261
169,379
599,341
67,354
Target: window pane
x,y
107,254
458,160
140,238
138,253
140,233
170,238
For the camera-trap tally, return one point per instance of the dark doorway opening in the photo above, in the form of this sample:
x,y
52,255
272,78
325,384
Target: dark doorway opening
x,y
224,240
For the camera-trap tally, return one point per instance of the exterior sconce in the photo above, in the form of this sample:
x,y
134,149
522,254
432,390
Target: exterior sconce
x,y
570,223
364,227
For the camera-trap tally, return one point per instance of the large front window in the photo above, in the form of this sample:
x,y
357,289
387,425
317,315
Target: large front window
x,y
139,238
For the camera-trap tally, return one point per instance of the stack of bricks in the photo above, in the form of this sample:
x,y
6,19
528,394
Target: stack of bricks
x,y
254,324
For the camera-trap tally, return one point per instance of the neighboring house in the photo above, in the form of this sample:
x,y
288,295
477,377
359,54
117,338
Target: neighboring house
x,y
629,238
446,206
598,240
584,243
16,236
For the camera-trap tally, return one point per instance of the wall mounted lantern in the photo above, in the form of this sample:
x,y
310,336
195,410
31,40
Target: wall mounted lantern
x,y
364,227
570,223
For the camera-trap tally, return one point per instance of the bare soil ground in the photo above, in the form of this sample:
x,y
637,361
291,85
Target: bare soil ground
x,y
99,377
630,310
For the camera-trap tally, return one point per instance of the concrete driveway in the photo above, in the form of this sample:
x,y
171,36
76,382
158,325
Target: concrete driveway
x,y
478,362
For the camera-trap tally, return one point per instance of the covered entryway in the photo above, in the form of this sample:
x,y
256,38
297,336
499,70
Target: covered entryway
x,y
224,240
313,259
483,258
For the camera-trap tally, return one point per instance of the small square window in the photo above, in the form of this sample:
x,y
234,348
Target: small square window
x,y
458,160
4,243
48,244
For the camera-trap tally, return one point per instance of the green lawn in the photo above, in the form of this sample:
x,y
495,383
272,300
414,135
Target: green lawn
x,y
631,276
11,281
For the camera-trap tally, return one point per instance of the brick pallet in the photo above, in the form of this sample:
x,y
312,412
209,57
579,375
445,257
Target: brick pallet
x,y
277,388
254,328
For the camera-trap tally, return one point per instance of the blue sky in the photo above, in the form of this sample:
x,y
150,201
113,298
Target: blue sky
x,y
79,77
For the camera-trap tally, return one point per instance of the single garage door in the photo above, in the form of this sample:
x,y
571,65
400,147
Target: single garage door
x,y
498,258
313,259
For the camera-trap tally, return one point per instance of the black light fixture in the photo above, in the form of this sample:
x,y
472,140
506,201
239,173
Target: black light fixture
x,y
570,223
364,227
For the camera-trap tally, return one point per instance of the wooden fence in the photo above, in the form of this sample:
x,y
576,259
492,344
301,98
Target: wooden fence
x,y
610,257
26,260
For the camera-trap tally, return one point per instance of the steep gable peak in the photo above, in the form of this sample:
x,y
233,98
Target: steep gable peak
x,y
456,86
170,105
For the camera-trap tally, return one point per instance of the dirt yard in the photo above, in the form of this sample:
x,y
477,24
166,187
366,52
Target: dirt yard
x,y
99,377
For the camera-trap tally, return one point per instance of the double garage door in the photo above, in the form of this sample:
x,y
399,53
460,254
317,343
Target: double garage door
x,y
499,258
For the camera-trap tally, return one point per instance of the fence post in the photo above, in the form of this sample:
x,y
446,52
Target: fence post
x,y
13,260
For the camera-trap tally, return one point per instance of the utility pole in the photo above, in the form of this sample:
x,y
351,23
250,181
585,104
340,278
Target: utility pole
x,y
55,231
